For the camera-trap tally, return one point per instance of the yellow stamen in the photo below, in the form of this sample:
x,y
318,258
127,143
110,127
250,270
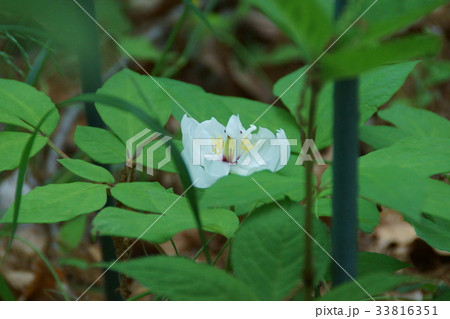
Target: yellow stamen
x,y
230,149
246,145
218,145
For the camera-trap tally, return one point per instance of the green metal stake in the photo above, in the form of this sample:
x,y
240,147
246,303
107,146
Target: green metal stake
x,y
345,176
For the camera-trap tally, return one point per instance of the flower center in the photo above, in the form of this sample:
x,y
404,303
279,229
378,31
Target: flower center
x,y
229,152
228,149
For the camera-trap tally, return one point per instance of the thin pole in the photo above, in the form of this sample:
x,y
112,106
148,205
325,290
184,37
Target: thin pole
x,y
345,176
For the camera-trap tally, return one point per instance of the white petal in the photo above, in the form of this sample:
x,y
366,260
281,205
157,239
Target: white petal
x,y
248,133
239,170
205,181
282,135
217,168
234,127
199,176
266,151
263,133
210,129
188,127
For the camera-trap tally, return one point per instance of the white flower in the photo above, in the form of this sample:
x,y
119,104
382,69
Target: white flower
x,y
212,150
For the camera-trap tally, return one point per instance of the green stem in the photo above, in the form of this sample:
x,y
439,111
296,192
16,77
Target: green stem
x,y
345,184
189,48
221,251
37,67
137,297
160,250
91,81
172,36
174,246
56,149
48,264
308,272
203,247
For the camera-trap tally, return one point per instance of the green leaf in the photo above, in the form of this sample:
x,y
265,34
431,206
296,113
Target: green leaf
x,y
393,186
158,154
409,121
369,263
267,252
437,200
397,176
426,156
129,86
24,157
87,170
308,22
178,278
434,231
38,65
416,121
112,16
71,233
384,18
159,229
281,55
375,284
368,215
438,72
195,102
347,62
402,189
376,87
239,190
140,48
25,106
290,87
12,144
73,262
9,118
444,296
381,136
100,145
152,197
145,196
58,202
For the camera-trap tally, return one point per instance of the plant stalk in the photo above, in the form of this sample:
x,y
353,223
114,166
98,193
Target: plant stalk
x,y
170,41
308,271
56,149
345,177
